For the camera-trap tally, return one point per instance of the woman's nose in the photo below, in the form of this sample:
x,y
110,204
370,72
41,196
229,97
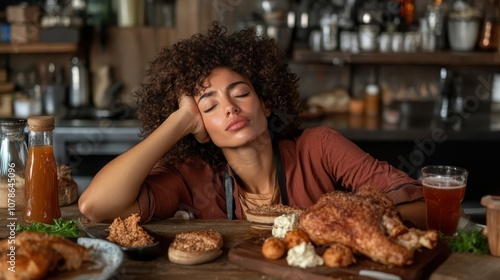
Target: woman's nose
x,y
231,109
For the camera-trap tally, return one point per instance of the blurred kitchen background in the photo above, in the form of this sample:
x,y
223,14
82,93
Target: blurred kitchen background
x,y
413,82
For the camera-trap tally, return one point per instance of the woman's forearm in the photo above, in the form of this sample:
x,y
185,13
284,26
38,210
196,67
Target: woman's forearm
x,y
114,189
414,212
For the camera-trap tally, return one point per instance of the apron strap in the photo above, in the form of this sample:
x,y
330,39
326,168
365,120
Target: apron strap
x,y
228,185
280,171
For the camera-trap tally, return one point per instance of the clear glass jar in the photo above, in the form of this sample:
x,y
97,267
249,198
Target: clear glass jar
x,y
41,197
14,154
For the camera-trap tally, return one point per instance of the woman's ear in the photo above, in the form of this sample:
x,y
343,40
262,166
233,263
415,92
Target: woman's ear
x,y
266,108
267,111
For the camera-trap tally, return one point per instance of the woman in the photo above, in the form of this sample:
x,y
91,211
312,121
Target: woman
x,y
221,135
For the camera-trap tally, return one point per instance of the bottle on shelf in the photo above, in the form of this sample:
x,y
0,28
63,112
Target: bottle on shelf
x,y
435,17
41,196
372,100
489,36
407,13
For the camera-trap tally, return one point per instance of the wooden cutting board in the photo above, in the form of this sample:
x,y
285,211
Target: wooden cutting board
x,y
248,255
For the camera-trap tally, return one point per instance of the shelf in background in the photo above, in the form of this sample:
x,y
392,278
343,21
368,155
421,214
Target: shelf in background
x,y
418,58
10,48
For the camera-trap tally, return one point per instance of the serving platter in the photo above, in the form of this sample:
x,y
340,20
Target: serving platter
x,y
105,259
142,253
248,255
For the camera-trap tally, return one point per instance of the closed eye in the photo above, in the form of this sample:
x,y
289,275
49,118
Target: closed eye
x,y
236,96
242,95
209,109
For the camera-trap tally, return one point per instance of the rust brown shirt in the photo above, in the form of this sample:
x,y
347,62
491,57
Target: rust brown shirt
x,y
319,161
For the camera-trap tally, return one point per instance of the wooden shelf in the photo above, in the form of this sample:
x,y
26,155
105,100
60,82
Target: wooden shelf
x,y
419,58
9,48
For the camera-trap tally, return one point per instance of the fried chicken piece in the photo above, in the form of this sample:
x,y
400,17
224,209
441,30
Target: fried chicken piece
x,y
128,232
367,222
37,254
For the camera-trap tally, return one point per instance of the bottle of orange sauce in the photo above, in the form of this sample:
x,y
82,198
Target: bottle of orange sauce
x,y
41,185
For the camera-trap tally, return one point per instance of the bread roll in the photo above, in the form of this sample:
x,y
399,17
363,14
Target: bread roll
x,y
195,247
265,214
273,248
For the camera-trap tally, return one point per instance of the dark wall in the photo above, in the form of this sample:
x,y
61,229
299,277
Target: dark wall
x,y
480,158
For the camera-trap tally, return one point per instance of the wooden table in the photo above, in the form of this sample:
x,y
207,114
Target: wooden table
x,y
233,233
457,266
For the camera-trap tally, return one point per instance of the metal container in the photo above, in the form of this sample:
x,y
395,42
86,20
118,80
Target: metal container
x,y
54,97
463,34
79,95
13,157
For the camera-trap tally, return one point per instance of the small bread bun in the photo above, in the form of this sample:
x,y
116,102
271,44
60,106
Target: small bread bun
x,y
338,255
295,237
195,247
273,248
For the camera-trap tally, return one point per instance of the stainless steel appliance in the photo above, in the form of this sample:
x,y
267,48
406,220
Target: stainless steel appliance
x,y
87,145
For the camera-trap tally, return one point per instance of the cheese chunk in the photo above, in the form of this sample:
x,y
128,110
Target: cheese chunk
x,y
303,255
285,223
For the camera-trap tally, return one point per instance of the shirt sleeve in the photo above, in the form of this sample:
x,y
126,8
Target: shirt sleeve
x,y
161,194
406,193
353,169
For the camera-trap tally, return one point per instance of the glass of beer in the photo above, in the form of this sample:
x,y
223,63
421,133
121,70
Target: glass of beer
x,y
444,190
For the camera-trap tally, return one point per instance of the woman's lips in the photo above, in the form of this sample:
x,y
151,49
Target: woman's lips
x,y
236,124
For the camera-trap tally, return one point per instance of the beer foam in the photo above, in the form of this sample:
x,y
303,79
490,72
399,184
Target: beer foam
x,y
442,183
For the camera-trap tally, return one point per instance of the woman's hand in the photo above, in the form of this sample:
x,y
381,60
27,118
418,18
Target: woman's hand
x,y
187,104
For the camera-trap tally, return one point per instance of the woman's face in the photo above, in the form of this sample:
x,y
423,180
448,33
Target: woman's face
x,y
232,112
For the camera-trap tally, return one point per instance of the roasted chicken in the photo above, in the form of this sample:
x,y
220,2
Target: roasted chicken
x,y
367,222
33,255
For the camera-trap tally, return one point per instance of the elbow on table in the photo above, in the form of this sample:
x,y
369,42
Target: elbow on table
x,y
104,211
88,209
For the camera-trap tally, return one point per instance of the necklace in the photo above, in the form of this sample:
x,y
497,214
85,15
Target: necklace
x,y
252,200
280,171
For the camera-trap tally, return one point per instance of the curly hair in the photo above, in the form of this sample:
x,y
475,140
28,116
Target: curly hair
x,y
183,67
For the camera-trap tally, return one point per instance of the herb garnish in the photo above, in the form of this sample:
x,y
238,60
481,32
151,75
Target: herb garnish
x,y
60,227
469,242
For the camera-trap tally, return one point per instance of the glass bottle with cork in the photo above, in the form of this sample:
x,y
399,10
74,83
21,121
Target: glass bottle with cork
x,y
41,197
14,153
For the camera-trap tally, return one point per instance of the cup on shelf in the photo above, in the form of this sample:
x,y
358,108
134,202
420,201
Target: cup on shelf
x,y
368,37
384,42
397,42
411,42
345,40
